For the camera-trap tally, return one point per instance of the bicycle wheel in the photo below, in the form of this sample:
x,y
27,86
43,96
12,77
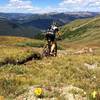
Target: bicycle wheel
x,y
46,51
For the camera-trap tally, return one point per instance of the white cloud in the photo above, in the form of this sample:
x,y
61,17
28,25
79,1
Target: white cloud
x,y
72,2
26,6
94,3
81,5
20,4
72,5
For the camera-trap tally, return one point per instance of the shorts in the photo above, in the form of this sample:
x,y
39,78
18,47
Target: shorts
x,y
50,37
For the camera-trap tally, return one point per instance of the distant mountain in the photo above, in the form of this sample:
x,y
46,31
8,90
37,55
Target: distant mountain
x,y
31,25
43,21
10,28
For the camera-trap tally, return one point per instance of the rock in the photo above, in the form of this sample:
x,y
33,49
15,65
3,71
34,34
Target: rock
x,y
90,66
69,96
30,95
68,93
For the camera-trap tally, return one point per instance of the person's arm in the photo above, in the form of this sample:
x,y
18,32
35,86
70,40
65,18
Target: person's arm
x,y
58,32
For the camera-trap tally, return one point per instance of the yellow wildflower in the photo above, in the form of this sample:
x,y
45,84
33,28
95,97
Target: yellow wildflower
x,y
38,91
94,93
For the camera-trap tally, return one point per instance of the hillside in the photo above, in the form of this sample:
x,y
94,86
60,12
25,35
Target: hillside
x,y
20,41
74,74
83,31
22,69
10,28
43,21
32,25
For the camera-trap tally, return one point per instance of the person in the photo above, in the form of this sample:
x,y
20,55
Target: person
x,y
51,34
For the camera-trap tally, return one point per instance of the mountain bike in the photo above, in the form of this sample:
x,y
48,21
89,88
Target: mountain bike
x,y
47,49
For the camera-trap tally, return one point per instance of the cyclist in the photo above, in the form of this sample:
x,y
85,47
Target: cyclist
x,y
51,35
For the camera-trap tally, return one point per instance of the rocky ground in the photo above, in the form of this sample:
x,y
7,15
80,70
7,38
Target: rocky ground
x,y
63,93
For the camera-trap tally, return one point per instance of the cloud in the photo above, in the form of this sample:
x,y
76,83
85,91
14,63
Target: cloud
x,y
81,5
72,5
26,6
72,2
94,3
20,4
23,6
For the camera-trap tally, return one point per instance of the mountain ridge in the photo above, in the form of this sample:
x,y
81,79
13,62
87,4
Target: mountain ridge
x,y
32,25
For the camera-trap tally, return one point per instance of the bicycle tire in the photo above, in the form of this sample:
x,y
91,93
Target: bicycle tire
x,y
46,51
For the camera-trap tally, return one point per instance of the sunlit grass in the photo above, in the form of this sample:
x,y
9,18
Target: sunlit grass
x,y
65,70
69,70
15,55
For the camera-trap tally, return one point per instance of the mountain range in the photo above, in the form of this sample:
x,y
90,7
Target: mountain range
x,y
32,25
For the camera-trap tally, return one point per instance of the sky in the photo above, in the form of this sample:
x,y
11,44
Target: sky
x,y
47,6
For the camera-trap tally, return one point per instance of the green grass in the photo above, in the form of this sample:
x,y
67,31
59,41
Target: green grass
x,y
84,31
53,71
70,70
11,40
24,42
31,44
15,55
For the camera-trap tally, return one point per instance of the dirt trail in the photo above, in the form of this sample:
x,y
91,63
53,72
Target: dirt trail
x,y
85,24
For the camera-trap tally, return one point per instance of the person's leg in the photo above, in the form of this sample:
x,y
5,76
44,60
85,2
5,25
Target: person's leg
x,y
52,47
52,37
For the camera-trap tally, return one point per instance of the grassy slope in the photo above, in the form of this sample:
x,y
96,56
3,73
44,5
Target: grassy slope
x,y
83,32
70,70
19,41
23,42
66,70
